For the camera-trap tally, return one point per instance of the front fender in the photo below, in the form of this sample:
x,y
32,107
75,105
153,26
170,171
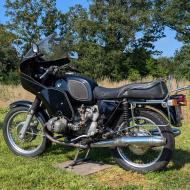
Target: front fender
x,y
25,103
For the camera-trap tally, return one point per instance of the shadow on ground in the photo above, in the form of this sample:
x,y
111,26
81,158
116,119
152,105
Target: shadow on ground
x,y
180,158
103,155
100,155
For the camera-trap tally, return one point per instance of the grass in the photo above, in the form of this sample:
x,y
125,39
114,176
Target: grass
x,y
38,173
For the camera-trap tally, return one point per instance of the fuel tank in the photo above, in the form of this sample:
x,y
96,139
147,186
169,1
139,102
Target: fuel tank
x,y
79,88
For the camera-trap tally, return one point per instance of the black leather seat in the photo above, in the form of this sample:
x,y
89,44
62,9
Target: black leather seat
x,y
151,90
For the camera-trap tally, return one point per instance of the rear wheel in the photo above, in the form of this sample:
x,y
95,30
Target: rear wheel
x,y
34,142
141,158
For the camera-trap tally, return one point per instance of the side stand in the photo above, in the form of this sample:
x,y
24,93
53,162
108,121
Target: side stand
x,y
78,160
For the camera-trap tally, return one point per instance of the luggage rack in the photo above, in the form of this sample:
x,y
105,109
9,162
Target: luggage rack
x,y
162,102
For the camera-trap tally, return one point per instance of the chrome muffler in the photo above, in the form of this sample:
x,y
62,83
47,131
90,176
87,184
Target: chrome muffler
x,y
139,141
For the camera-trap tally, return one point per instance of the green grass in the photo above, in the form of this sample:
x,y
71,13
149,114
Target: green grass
x,y
38,173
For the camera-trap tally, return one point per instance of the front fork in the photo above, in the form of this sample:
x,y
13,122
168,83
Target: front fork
x,y
29,117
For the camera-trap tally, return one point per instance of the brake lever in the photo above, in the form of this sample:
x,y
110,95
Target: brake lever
x,y
50,70
44,75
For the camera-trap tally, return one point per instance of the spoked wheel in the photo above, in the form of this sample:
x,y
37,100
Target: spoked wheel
x,y
145,158
34,142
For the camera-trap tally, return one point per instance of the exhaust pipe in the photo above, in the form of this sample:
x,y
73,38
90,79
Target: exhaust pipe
x,y
176,132
124,141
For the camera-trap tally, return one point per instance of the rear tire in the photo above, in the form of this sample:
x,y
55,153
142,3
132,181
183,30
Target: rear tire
x,y
12,145
167,150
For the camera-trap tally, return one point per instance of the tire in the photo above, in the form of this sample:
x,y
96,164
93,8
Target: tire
x,y
167,149
9,140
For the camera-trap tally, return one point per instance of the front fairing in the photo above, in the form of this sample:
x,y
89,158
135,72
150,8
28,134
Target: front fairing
x,y
52,51
51,47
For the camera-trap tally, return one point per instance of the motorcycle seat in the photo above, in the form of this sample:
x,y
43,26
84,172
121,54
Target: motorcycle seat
x,y
150,90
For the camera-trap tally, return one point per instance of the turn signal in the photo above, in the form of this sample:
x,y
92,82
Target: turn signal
x,y
178,99
172,102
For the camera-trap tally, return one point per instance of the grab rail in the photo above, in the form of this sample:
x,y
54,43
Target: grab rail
x,y
181,89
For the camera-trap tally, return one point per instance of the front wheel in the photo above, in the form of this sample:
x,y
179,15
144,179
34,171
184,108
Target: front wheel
x,y
34,142
142,158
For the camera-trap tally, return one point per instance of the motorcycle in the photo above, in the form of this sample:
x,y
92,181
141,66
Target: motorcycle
x,y
138,122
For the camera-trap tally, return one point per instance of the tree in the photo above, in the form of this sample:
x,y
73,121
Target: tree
x,y
101,34
182,63
31,20
176,15
114,38
8,57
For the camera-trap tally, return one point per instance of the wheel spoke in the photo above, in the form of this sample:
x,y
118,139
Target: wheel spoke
x,y
140,156
33,138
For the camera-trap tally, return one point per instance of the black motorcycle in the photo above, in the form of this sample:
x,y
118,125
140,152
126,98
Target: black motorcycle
x,y
134,120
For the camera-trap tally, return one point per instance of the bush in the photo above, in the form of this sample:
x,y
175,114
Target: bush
x,y
134,75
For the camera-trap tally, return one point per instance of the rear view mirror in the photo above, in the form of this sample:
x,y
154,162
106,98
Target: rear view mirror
x,y
73,55
35,48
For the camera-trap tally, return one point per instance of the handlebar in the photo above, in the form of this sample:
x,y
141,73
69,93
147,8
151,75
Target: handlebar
x,y
52,70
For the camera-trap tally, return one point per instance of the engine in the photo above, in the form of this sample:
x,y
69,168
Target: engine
x,y
85,122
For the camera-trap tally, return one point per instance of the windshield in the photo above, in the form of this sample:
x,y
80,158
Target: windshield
x,y
51,47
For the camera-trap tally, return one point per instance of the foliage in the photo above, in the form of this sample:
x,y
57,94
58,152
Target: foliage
x,y
114,38
176,15
182,63
8,57
101,34
159,68
31,20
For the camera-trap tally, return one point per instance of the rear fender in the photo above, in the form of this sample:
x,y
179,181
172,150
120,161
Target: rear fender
x,y
164,112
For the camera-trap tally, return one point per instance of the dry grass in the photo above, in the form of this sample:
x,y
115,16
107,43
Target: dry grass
x,y
116,177
10,93
110,84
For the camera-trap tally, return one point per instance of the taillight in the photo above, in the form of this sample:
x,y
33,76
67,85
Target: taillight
x,y
180,99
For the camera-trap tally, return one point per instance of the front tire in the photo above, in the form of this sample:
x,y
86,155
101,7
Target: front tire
x,y
163,157
34,142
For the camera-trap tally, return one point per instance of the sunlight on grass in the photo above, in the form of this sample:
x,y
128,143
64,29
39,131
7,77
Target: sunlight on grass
x,y
38,173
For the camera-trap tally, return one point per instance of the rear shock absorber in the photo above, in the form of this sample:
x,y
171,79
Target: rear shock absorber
x,y
126,112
